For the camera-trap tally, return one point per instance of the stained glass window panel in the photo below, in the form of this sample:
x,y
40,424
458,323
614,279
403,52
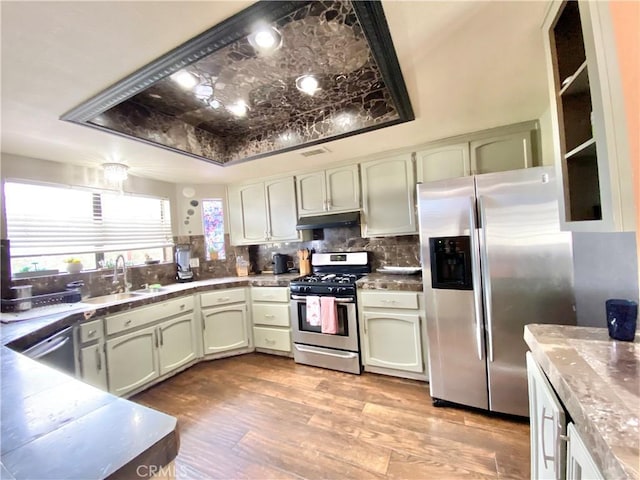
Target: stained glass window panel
x,y
213,224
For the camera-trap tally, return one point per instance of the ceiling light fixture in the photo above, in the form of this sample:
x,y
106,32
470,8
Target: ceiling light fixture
x,y
115,174
307,84
185,79
203,91
265,39
239,109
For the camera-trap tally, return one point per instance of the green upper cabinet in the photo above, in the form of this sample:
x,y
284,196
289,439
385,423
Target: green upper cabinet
x,y
496,150
441,162
501,153
328,191
263,212
247,213
388,191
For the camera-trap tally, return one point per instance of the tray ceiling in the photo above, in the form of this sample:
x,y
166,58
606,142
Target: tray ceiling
x,y
276,77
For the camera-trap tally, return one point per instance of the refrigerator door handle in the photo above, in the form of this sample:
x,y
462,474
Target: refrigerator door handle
x,y
475,275
486,278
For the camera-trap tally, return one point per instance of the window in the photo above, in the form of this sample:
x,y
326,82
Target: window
x,y
213,224
48,224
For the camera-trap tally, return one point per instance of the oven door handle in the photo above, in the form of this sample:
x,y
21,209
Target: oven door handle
x,y
322,352
338,300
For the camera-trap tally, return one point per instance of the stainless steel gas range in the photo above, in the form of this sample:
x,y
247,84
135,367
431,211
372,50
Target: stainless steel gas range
x,y
334,275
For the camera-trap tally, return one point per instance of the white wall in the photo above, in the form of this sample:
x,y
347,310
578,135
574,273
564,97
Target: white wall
x,y
14,167
191,213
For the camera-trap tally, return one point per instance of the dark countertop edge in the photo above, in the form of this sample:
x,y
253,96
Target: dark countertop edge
x,y
574,407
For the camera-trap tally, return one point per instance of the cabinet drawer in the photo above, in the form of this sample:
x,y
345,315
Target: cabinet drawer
x,y
389,299
91,331
222,297
270,294
272,338
277,315
142,316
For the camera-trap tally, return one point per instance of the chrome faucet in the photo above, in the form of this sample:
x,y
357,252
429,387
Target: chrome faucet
x,y
115,281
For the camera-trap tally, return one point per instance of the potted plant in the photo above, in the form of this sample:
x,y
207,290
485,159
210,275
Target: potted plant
x,y
74,265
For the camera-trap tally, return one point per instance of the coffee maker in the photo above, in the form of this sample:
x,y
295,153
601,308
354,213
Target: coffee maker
x,y
183,263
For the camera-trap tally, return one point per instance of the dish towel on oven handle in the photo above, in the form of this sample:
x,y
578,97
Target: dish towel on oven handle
x,y
329,314
313,310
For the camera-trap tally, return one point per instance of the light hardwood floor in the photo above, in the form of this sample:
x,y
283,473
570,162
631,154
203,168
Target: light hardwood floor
x,y
260,416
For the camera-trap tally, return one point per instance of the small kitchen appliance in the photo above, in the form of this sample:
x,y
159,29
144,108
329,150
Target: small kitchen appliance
x,y
281,263
334,275
183,263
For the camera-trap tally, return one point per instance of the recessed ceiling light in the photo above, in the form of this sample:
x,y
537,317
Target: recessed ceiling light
x,y
307,84
239,109
155,95
203,91
184,79
265,38
214,104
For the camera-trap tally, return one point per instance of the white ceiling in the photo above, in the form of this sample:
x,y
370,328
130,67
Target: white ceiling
x,y
467,65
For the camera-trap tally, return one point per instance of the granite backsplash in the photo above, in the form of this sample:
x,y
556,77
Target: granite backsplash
x,y
401,251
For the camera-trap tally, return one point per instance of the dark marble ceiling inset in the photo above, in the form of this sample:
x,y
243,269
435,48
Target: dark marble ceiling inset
x,y
323,39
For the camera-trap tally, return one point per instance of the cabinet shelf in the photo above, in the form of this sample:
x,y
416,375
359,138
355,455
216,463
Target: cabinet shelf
x,y
577,83
584,150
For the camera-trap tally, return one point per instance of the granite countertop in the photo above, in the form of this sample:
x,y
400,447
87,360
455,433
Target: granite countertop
x,y
55,426
19,334
598,381
386,281
46,411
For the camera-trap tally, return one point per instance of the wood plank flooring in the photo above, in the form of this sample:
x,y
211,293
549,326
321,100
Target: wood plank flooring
x,y
259,416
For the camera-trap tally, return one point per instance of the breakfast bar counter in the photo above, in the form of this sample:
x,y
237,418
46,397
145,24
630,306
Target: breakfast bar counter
x,y
598,381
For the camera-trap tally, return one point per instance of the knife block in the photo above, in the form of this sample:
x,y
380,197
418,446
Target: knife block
x,y
305,267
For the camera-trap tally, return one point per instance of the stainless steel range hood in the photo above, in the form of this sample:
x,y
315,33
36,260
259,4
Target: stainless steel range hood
x,y
329,221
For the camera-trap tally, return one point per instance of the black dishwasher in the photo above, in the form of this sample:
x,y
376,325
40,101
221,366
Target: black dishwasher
x,y
55,351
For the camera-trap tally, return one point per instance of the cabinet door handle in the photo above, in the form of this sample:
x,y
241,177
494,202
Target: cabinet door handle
x,y
127,323
155,336
269,315
182,307
545,457
98,359
161,336
91,333
223,299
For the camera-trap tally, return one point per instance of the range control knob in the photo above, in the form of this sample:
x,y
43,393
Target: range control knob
x,y
330,289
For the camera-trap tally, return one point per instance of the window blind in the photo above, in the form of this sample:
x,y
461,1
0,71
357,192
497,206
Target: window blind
x,y
52,220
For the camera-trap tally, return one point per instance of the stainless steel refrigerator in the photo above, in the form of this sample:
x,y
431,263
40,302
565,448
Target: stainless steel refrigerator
x,y
493,260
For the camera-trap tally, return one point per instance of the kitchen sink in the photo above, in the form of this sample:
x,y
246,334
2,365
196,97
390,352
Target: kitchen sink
x,y
151,290
114,297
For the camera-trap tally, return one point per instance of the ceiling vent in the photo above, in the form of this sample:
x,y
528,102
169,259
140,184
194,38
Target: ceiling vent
x,y
315,151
